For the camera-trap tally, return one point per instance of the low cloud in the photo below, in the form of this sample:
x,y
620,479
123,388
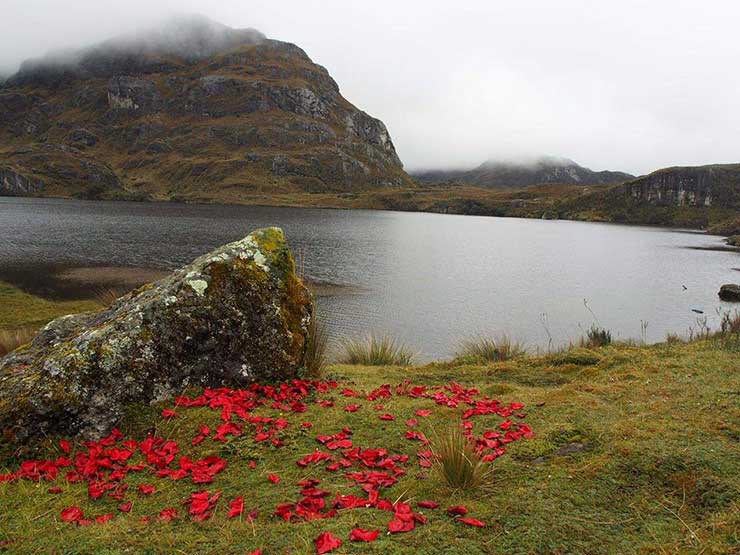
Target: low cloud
x,y
627,85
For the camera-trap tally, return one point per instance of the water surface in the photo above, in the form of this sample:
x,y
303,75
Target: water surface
x,y
430,279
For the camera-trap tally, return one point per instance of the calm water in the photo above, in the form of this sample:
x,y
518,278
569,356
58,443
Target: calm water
x,y
430,279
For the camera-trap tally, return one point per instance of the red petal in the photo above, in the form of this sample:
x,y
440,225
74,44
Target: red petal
x,y
102,519
472,522
274,478
327,542
360,535
71,514
125,507
428,504
457,510
146,489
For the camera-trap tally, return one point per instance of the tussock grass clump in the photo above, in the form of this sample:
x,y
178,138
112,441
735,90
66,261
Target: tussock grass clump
x,y
457,463
489,349
316,357
107,296
374,350
10,340
596,337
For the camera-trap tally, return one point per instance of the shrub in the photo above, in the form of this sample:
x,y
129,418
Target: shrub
x,y
316,347
10,340
376,350
456,461
730,323
596,337
489,349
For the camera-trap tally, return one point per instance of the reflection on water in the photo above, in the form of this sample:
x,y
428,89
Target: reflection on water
x,y
430,279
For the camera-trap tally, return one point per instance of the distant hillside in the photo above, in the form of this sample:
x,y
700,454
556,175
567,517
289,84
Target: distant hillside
x,y
515,175
191,110
671,196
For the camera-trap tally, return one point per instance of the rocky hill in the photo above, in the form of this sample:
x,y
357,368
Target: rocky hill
x,y
518,174
191,110
697,195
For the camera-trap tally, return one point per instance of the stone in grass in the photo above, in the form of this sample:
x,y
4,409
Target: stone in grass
x,y
730,292
236,315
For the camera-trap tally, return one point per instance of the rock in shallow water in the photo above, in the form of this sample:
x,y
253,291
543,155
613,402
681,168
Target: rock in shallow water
x,y
730,292
236,315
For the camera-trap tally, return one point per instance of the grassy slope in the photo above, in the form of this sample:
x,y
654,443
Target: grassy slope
x,y
660,475
662,423
19,309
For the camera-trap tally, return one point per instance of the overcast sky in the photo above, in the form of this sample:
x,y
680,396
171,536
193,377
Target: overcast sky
x,y
623,85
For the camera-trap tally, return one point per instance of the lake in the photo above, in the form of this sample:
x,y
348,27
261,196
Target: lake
x,y
429,279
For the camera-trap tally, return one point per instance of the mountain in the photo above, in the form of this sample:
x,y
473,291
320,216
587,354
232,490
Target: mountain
x,y
691,196
523,173
190,110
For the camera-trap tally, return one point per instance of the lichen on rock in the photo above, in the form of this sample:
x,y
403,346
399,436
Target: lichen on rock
x,y
236,315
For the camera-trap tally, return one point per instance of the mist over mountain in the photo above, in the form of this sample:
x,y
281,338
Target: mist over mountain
x,y
523,172
191,109
186,37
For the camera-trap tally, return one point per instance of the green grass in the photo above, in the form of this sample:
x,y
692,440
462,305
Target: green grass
x,y
637,451
22,310
656,471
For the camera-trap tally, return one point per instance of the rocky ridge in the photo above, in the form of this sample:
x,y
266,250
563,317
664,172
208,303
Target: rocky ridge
x,y
525,173
193,110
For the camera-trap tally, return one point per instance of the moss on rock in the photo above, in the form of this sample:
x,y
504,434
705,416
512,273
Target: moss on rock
x,y
235,315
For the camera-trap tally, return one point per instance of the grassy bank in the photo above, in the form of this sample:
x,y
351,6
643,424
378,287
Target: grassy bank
x,y
635,450
22,310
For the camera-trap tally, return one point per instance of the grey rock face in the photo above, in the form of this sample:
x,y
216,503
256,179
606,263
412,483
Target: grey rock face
x,y
14,184
233,316
132,93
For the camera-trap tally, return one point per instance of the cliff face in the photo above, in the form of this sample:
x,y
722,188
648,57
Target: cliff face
x,y
193,110
513,175
683,196
688,186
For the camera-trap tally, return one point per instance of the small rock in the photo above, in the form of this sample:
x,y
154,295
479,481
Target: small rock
x,y
730,292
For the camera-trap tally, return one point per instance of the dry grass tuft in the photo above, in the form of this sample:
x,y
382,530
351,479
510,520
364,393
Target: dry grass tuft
x,y
376,350
316,357
491,350
10,340
457,463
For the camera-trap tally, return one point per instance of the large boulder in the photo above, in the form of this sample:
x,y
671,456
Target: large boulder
x,y
236,315
730,292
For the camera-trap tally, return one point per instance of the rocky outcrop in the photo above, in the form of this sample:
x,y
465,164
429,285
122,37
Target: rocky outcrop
x,y
234,316
730,292
198,111
131,93
525,173
13,184
57,171
700,186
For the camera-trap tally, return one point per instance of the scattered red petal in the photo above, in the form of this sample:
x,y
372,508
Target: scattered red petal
x,y
71,514
146,489
360,535
274,478
102,519
472,522
457,510
428,504
327,542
